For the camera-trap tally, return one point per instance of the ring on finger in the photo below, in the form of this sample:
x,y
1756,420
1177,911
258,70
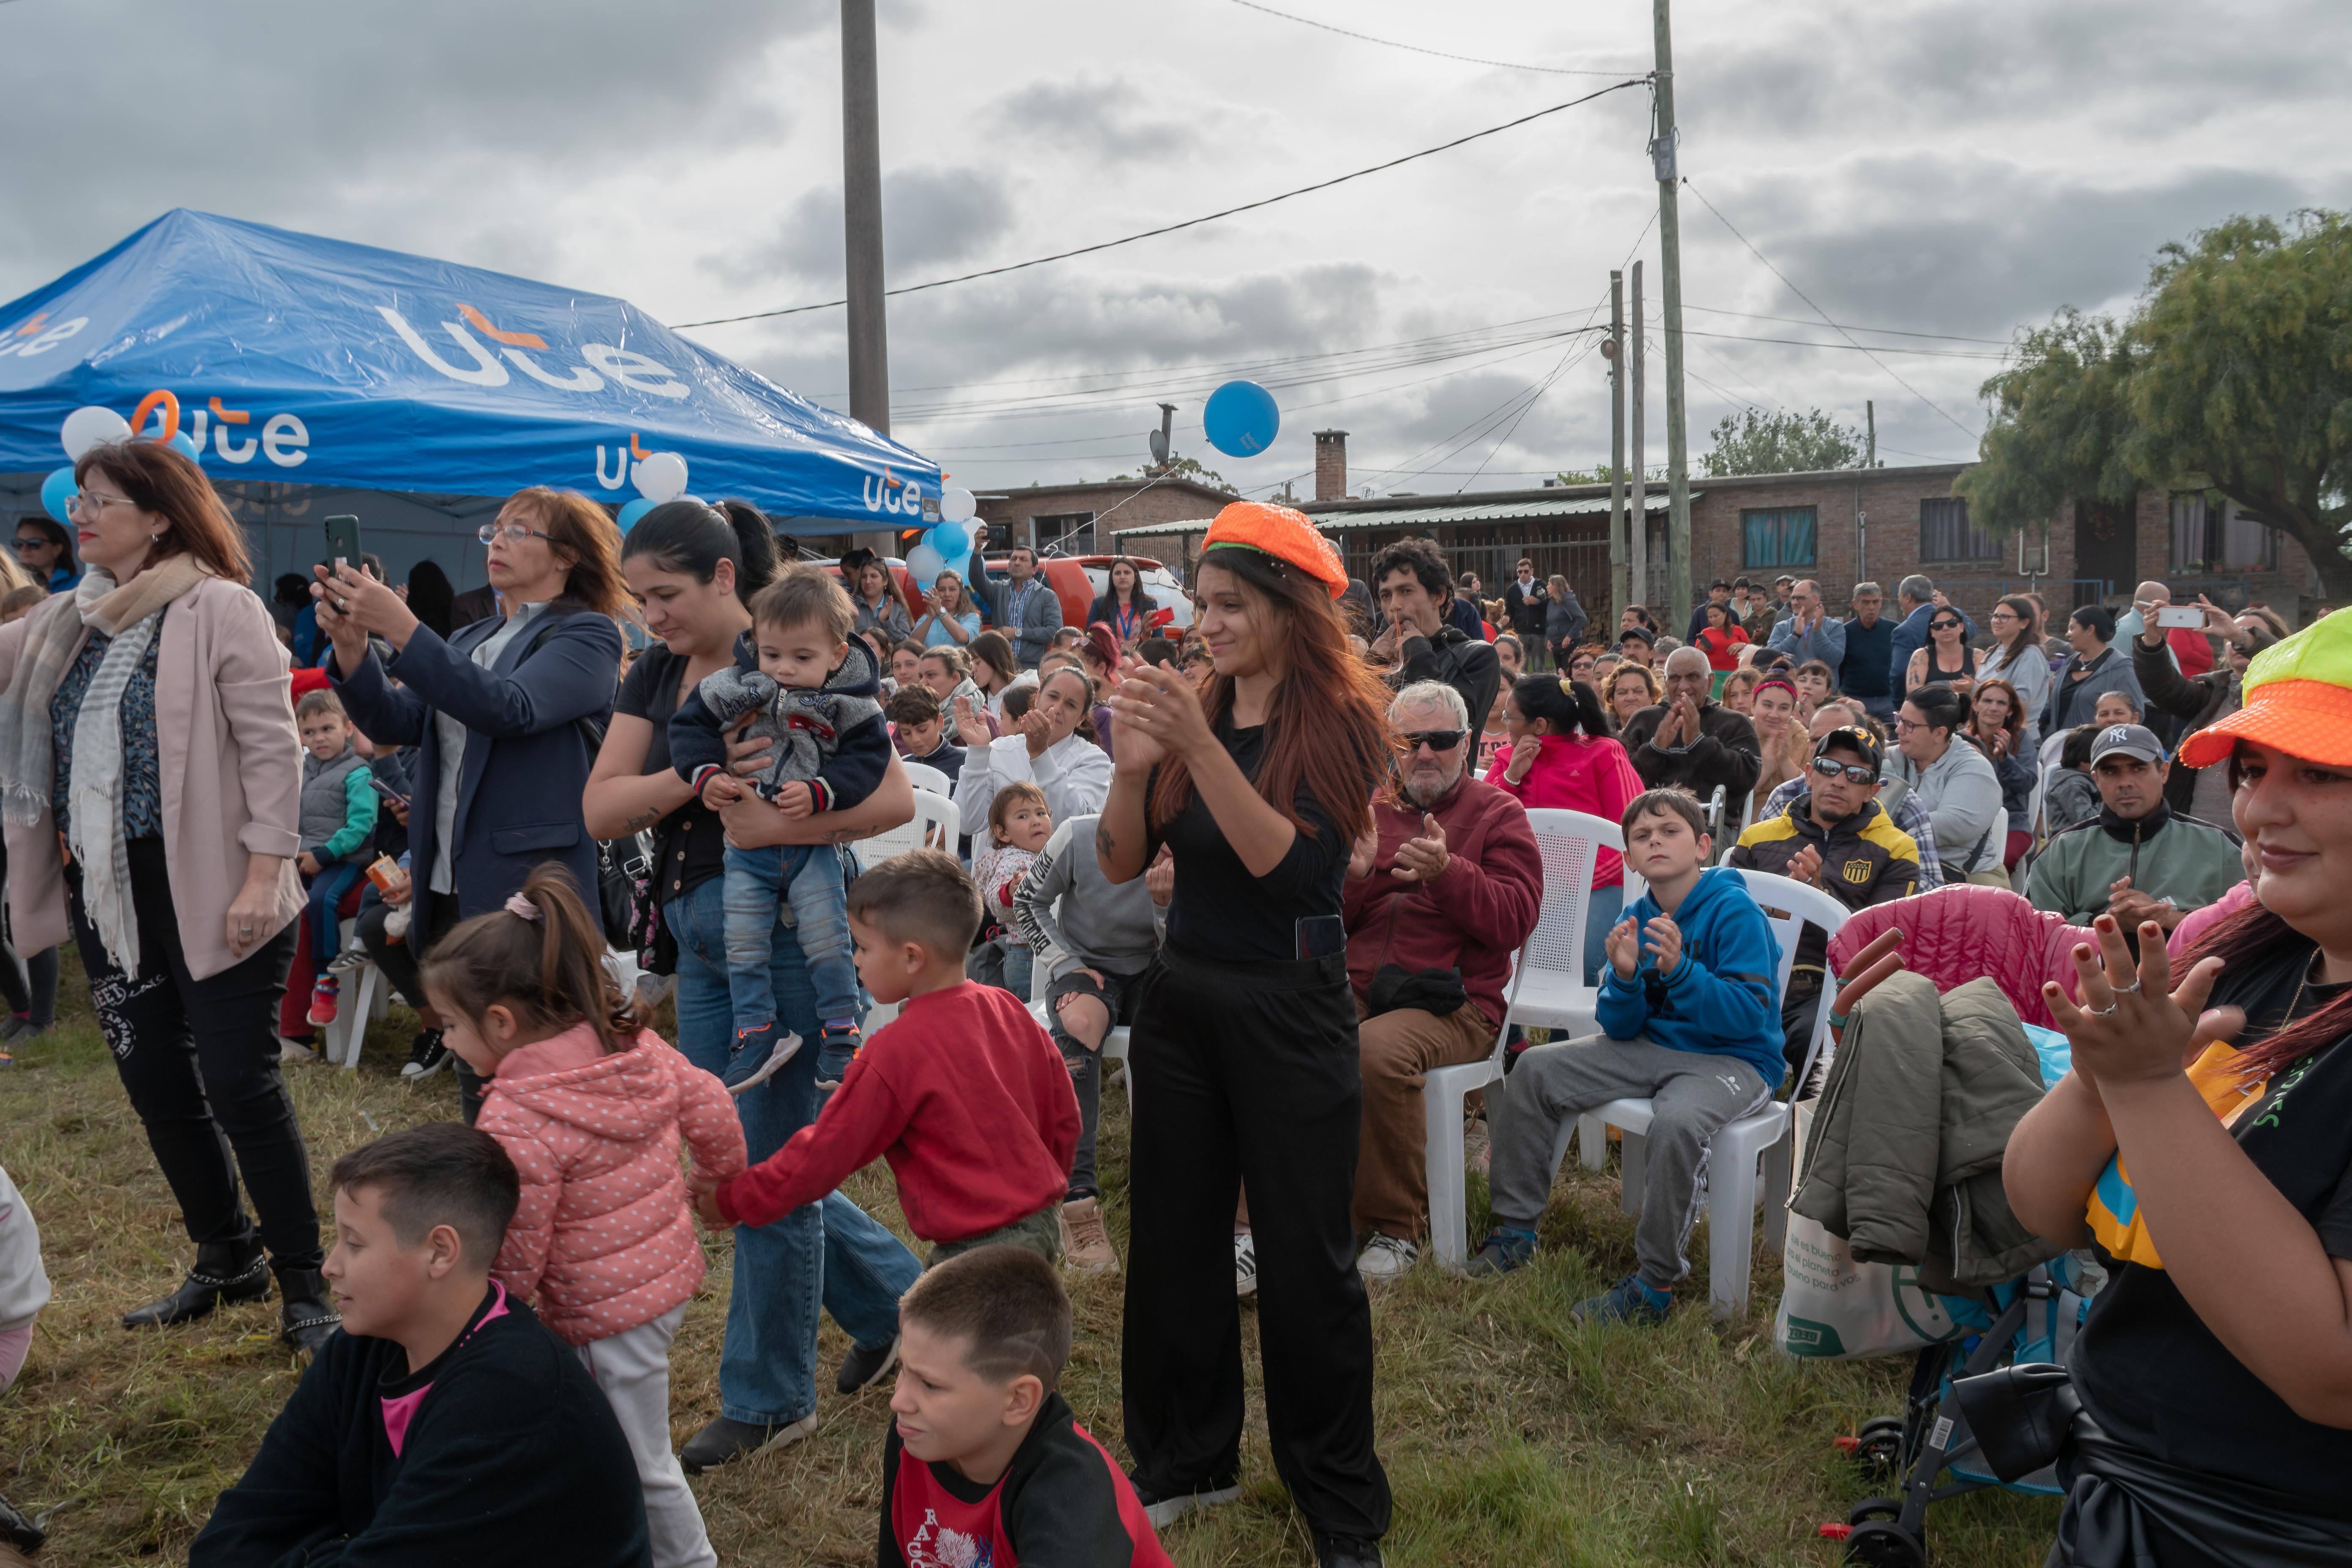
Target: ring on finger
x,y
2130,990
2106,1012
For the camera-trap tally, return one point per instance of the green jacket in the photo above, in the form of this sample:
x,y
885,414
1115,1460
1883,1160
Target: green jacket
x,y
2166,855
1904,1159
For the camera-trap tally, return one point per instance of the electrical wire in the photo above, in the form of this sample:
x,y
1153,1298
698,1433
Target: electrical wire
x,y
1416,48
1189,222
1847,326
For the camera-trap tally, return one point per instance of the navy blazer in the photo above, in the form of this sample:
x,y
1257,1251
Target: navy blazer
x,y
527,753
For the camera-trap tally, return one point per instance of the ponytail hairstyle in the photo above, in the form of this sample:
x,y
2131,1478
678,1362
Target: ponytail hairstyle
x,y
545,966
1941,707
1567,707
690,538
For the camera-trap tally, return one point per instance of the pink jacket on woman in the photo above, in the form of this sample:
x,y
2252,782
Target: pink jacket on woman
x,y
603,1236
1576,772
231,766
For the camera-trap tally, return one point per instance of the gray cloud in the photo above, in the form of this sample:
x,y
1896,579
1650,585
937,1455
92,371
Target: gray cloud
x,y
928,216
1092,117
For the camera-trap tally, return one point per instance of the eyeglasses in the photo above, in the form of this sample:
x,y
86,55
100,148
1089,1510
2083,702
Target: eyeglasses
x,y
83,504
32,542
1904,726
512,533
1435,740
1830,768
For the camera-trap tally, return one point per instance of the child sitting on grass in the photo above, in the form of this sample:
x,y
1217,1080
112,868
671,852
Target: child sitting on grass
x,y
1019,824
962,1093
815,691
590,1107
445,1424
984,1462
338,827
1688,1020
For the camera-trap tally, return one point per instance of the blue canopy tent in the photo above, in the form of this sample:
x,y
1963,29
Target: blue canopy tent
x,y
309,369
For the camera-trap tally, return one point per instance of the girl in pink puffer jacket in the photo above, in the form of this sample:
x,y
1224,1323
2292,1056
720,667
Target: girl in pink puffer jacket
x,y
591,1109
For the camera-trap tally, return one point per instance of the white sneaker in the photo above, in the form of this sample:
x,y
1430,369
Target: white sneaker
x,y
1385,1258
1245,1263
294,1051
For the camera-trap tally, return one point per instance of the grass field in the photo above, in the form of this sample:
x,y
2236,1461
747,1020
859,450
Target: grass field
x,y
1511,1435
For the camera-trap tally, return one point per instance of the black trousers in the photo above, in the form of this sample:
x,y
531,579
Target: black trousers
x,y
1249,1073
28,984
432,916
199,1058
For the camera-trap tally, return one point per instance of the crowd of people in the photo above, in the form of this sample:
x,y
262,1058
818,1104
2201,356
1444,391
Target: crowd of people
x,y
1288,852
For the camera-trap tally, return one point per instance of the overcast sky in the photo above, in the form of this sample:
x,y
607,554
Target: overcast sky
x,y
1954,167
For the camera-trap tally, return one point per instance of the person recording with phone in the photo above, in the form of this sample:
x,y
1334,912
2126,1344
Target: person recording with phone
x,y
1244,1046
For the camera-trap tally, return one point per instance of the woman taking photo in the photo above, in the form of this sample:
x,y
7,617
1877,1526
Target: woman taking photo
x,y
694,568
505,716
1123,605
949,618
1721,639
1244,1046
1997,725
1632,687
1955,784
1045,747
146,724
2213,1122
2016,656
1562,757
1947,660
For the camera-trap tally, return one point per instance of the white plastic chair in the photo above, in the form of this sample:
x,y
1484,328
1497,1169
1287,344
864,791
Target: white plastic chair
x,y
925,776
934,812
369,998
1547,990
1114,1041
1733,1185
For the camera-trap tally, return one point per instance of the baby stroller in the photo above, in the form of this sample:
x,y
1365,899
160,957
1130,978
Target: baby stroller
x,y
1927,1454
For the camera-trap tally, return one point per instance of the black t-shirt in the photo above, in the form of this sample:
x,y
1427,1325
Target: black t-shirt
x,y
2148,1368
1218,909
690,845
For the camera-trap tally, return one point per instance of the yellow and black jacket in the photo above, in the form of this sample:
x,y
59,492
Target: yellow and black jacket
x,y
1865,860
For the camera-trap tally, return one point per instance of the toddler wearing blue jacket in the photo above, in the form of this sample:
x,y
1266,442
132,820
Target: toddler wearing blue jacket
x,y
1689,1022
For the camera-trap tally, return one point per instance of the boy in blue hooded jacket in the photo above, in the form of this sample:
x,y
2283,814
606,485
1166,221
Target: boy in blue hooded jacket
x,y
1689,1021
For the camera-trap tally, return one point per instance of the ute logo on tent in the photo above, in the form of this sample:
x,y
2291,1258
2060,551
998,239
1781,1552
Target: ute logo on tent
x,y
628,368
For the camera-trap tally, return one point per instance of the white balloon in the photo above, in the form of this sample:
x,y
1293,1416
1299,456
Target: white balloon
x,y
91,426
957,504
924,565
661,477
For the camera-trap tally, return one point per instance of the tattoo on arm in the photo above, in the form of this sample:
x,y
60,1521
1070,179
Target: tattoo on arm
x,y
643,819
1106,847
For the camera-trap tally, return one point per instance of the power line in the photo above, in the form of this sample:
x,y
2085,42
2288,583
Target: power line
x,y
1844,326
1416,48
1191,222
1824,315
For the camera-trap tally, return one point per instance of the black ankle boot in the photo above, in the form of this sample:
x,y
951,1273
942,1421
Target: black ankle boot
x,y
225,1271
306,1310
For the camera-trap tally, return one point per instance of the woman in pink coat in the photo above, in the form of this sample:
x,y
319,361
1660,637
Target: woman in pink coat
x,y
591,1109
1562,758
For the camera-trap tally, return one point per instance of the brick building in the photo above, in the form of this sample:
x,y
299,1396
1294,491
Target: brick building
x,y
1065,516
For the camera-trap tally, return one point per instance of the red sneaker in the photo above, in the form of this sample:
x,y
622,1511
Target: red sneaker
x,y
323,998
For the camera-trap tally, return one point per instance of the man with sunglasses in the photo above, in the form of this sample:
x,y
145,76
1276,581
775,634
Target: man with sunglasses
x,y
1837,836
1440,893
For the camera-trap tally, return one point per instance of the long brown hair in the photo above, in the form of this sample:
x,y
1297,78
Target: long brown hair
x,y
167,482
2245,937
2016,724
1326,725
547,970
586,540
2029,637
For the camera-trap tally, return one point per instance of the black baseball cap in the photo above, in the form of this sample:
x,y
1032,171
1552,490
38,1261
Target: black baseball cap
x,y
1853,738
1644,632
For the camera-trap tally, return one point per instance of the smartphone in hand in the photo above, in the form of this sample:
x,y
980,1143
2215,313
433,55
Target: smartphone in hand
x,y
343,541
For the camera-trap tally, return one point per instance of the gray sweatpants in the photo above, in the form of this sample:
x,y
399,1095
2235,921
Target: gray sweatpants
x,y
1694,1093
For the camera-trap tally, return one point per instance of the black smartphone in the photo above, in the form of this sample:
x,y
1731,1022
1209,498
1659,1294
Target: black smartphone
x,y
1321,936
343,541
386,791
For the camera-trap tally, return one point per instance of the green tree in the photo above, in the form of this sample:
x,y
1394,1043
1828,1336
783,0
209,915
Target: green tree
x,y
2233,372
1760,443
1182,468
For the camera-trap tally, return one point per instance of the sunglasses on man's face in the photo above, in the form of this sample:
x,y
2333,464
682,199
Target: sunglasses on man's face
x,y
1830,768
1435,740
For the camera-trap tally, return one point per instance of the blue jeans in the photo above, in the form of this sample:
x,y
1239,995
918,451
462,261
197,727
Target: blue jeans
x,y
326,893
808,877
828,1253
1608,906
1020,971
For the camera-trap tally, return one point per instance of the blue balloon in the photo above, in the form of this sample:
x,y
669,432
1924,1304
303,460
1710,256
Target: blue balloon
x,y
185,445
952,539
1241,419
633,511
56,490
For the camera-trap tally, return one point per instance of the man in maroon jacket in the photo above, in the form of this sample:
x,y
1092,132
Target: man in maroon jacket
x,y
1440,894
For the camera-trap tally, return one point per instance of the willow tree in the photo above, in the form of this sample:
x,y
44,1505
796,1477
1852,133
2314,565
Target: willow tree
x,y
2233,372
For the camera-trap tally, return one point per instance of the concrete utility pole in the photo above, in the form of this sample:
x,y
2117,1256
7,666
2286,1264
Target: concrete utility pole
x,y
1870,421
1670,261
1617,597
1637,555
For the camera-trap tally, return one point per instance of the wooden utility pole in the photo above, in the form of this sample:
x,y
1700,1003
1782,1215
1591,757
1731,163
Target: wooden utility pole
x,y
1618,595
1670,262
1637,555
861,228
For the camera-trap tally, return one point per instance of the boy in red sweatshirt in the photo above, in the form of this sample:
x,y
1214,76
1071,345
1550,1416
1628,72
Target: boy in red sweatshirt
x,y
962,1092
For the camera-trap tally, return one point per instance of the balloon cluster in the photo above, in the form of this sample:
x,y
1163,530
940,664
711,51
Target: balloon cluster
x,y
947,542
96,426
660,477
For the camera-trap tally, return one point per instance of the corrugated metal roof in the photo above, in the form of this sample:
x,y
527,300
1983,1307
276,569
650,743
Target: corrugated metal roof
x,y
1429,516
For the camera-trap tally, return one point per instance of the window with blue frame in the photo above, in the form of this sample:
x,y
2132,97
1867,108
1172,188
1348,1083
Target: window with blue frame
x,y
1781,537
